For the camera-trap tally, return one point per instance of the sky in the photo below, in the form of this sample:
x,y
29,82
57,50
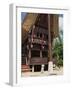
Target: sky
x,y
23,14
61,22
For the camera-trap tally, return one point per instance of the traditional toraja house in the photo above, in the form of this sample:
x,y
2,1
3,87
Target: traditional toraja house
x,y
38,33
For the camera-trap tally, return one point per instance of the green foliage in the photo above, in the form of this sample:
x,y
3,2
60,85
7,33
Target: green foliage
x,y
59,63
58,51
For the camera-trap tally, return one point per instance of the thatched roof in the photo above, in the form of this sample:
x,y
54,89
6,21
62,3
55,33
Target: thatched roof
x,y
27,24
31,19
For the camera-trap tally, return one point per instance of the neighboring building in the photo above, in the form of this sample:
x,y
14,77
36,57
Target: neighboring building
x,y
38,32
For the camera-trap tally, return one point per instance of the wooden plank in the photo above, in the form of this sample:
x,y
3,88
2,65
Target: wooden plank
x,y
38,61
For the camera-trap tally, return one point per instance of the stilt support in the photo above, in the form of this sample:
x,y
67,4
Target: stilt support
x,y
50,67
42,68
33,68
50,63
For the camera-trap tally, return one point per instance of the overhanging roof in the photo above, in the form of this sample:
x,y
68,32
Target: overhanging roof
x,y
31,19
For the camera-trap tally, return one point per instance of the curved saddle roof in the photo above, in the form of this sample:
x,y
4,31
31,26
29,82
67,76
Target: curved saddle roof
x,y
35,18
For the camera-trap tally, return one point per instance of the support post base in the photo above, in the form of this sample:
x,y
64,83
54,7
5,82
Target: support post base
x,y
50,67
33,68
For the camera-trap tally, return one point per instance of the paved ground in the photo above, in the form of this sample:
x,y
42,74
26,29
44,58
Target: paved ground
x,y
56,71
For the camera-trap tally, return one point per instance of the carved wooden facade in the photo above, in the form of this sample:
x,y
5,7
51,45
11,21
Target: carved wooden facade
x,y
38,32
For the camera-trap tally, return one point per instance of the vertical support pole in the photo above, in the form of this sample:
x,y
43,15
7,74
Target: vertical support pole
x,y
50,63
29,55
42,66
40,53
26,61
32,68
33,32
31,43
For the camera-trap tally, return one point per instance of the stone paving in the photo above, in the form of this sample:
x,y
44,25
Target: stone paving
x,y
56,71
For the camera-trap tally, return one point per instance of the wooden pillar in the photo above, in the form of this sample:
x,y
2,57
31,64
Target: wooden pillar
x,y
50,63
32,68
31,43
40,53
42,66
29,53
33,32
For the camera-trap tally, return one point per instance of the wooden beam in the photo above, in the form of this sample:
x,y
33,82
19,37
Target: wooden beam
x,y
49,40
